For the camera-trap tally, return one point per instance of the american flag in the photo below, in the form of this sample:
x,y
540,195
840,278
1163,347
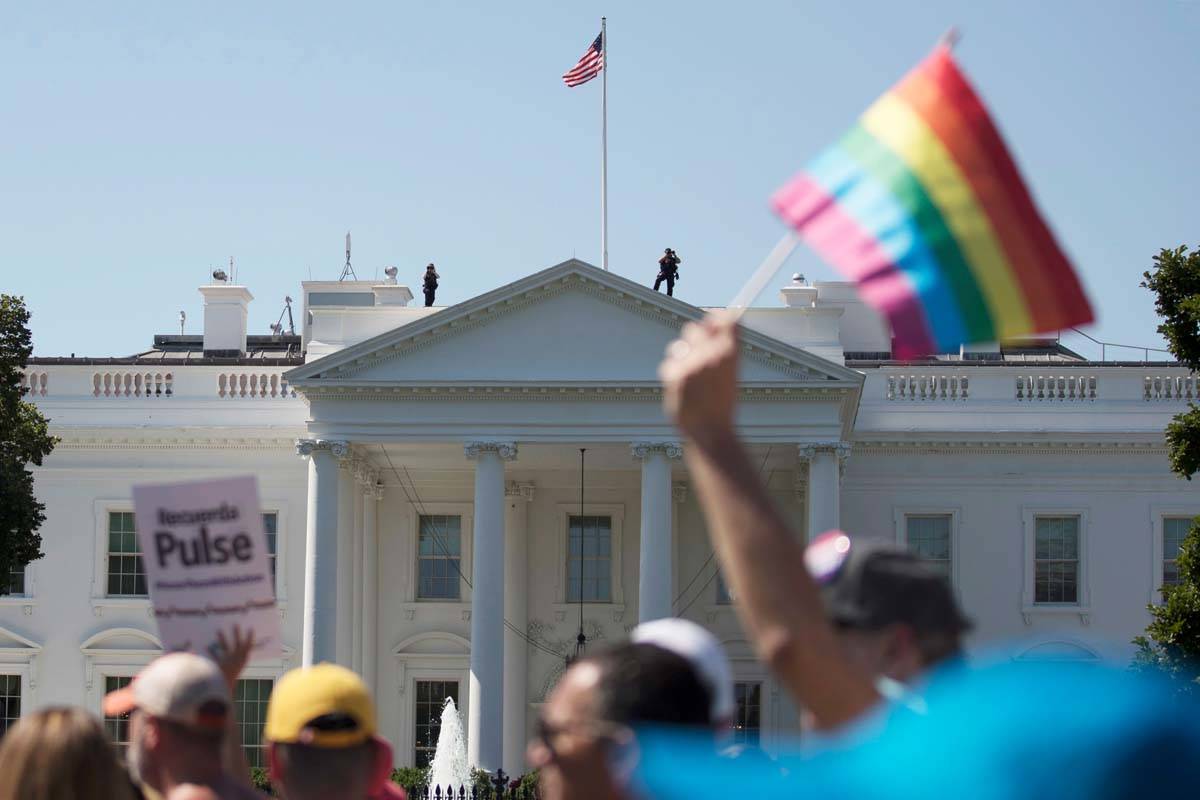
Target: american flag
x,y
589,66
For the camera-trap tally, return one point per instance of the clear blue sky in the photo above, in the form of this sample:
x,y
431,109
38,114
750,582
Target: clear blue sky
x,y
145,143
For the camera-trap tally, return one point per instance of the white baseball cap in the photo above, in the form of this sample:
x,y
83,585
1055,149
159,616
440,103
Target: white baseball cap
x,y
181,687
699,648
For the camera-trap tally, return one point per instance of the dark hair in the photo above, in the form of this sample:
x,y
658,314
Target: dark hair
x,y
310,771
644,683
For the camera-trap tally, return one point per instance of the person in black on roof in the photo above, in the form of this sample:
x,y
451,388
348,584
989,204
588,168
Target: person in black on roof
x,y
668,270
430,284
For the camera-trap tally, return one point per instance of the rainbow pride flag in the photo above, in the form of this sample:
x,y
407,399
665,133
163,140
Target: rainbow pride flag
x,y
922,205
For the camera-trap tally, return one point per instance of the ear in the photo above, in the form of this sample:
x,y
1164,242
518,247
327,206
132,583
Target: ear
x,y
902,655
382,768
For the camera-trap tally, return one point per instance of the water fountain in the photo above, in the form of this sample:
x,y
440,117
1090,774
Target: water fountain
x,y
448,770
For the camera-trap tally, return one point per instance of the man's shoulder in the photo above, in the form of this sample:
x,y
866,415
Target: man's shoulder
x,y
230,791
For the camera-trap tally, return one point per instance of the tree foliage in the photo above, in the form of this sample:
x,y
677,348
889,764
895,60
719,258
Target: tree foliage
x,y
1171,644
1175,281
24,440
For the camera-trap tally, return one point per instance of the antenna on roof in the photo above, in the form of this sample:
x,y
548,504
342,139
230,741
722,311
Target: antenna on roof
x,y
348,270
277,325
232,271
182,320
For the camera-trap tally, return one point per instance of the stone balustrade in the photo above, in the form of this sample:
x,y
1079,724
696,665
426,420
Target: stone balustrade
x,y
1051,388
1171,387
253,384
36,381
954,386
1030,385
140,383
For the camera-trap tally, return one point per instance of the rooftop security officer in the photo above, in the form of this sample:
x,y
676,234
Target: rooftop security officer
x,y
430,284
668,270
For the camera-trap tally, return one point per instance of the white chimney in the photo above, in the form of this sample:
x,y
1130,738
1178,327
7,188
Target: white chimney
x,y
225,307
798,293
392,294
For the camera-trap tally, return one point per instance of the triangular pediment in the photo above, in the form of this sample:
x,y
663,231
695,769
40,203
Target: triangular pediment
x,y
571,324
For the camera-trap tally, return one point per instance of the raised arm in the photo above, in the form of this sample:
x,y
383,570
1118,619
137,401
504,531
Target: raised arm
x,y
777,601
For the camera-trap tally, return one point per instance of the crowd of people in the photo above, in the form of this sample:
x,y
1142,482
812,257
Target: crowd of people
x,y
865,638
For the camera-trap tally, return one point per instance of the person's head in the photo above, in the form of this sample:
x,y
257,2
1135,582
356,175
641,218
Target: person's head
x,y
895,616
703,653
60,754
587,722
179,709
321,736
429,267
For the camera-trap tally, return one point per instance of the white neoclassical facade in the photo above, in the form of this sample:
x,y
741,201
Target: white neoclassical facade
x,y
420,474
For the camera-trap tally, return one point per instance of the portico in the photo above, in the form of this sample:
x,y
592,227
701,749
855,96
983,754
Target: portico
x,y
474,485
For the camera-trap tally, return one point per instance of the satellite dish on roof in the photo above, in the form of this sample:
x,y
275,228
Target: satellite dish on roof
x,y
220,276
391,273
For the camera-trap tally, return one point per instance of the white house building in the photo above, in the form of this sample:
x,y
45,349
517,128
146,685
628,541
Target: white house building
x,y
420,474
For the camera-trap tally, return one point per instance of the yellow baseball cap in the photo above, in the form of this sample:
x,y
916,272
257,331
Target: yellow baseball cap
x,y
304,696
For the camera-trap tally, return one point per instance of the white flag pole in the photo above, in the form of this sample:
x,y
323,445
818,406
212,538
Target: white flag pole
x,y
604,147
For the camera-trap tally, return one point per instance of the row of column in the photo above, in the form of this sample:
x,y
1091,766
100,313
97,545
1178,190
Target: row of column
x,y
341,578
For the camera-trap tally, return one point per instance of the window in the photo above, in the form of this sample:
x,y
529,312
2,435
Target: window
x,y
117,727
589,560
439,557
271,527
1056,560
724,598
747,721
928,538
250,709
126,572
1173,531
431,696
10,702
15,585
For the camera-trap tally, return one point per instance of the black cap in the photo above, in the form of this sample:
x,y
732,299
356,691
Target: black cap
x,y
879,585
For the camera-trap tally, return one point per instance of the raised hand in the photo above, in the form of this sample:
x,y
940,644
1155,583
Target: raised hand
x,y
233,655
699,376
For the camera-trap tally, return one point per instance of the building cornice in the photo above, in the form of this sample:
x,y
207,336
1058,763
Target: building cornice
x,y
117,441
1013,446
558,391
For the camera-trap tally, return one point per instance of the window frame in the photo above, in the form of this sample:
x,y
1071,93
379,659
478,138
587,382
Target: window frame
x,y
430,656
762,707
279,507
467,512
900,515
1159,512
616,514
412,708
1029,517
100,597
418,556
21,672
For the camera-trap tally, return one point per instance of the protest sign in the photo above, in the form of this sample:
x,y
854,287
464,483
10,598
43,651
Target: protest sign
x,y
205,554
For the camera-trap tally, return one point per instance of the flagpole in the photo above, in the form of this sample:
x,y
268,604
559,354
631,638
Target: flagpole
x,y
604,147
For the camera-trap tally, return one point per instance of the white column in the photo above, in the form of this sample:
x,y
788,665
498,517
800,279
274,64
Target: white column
x,y
486,710
318,640
370,582
654,563
347,499
825,464
356,569
517,497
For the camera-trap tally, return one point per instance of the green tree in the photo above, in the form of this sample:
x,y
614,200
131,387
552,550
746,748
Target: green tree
x,y
1175,281
1171,644
24,440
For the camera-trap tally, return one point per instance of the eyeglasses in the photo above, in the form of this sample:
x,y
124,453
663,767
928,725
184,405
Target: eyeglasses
x,y
619,741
